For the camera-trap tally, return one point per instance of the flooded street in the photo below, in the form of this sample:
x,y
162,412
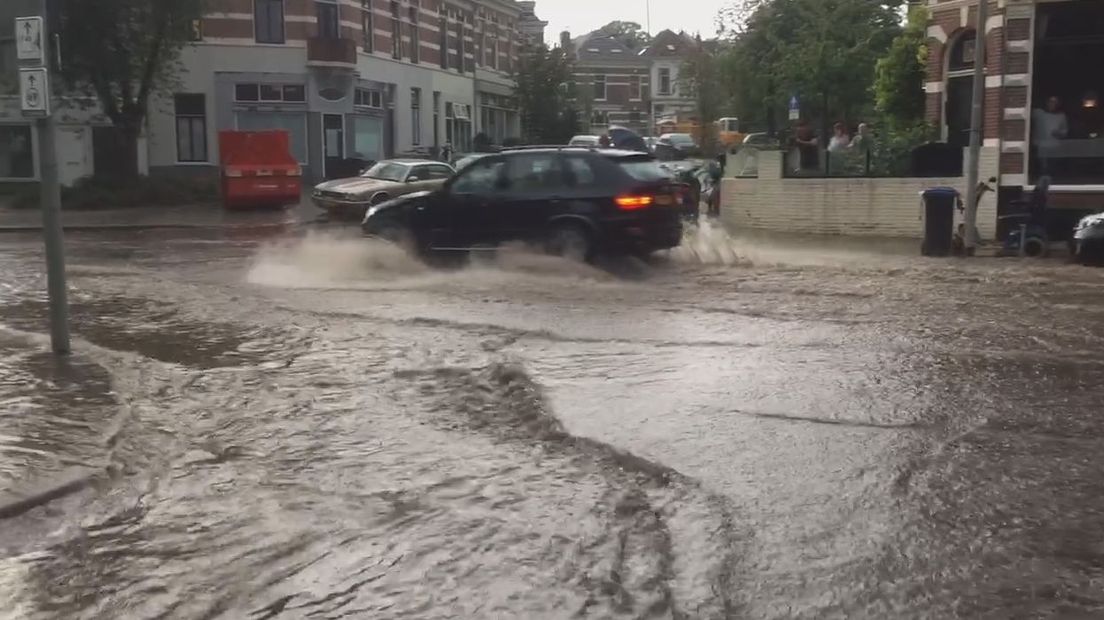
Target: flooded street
x,y
309,425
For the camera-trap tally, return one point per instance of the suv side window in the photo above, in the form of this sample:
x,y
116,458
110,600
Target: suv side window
x,y
580,172
537,172
481,177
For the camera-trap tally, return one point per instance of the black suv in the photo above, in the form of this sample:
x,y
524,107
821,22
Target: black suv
x,y
576,202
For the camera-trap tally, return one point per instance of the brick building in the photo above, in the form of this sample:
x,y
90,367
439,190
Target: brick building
x,y
1036,49
345,78
667,53
613,82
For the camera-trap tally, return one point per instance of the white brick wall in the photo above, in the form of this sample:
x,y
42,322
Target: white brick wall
x,y
842,206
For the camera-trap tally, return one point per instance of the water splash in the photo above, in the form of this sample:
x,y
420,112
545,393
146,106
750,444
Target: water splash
x,y
708,243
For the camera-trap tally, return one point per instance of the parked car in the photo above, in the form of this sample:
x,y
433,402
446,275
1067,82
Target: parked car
x,y
575,202
351,197
1087,246
760,140
681,141
584,141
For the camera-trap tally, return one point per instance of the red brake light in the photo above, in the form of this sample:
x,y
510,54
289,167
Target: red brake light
x,y
629,203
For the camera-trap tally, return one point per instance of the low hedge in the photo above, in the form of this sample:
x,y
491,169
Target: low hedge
x,y
91,193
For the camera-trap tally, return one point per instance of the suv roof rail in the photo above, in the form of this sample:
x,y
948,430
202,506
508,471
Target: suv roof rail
x,y
532,147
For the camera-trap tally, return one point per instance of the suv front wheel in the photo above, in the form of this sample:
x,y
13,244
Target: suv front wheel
x,y
572,242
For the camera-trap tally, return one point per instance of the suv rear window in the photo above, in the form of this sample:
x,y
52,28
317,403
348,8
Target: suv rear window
x,y
642,168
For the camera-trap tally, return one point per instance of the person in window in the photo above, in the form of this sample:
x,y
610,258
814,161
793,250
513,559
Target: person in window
x,y
1049,127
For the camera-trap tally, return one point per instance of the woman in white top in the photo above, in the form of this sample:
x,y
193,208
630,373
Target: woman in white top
x,y
840,140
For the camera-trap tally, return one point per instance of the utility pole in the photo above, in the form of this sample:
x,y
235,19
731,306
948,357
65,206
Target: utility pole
x,y
35,45
648,15
977,118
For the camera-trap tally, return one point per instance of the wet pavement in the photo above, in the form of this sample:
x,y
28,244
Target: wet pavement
x,y
297,423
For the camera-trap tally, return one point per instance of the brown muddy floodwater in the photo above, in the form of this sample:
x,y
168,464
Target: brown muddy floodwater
x,y
317,427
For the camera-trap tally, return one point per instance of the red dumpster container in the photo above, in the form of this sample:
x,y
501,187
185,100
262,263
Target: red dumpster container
x,y
258,169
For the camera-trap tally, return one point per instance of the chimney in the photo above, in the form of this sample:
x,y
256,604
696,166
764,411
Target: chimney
x,y
565,42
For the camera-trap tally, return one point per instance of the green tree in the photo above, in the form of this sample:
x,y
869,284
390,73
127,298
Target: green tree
x,y
123,52
700,77
631,34
899,75
545,95
823,51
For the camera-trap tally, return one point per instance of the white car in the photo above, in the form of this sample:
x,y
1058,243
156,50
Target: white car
x,y
585,141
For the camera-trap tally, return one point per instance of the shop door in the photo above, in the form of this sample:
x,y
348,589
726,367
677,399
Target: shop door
x,y
333,144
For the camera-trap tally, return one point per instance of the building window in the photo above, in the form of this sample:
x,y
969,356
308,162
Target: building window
x,y
415,116
396,31
436,118
665,81
415,40
270,93
459,34
195,34
368,98
636,95
191,128
442,26
367,22
600,87
16,152
329,20
494,53
268,21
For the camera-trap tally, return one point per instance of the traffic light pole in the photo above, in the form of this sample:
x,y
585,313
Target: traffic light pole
x,y
48,53
52,233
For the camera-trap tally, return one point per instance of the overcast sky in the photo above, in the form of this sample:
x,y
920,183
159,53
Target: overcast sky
x,y
582,16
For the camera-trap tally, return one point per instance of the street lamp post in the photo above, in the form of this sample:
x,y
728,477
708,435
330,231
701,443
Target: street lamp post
x,y
976,121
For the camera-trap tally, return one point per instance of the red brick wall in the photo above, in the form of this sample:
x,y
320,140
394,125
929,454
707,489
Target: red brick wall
x,y
1011,163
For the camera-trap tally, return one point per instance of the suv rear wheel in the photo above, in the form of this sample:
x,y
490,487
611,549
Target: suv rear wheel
x,y
572,242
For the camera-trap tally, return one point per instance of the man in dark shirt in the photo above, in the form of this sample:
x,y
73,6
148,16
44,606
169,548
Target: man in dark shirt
x,y
808,147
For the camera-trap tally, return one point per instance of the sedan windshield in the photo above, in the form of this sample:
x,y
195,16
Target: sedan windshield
x,y
387,171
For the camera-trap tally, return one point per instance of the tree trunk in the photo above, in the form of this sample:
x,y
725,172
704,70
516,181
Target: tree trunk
x,y
128,151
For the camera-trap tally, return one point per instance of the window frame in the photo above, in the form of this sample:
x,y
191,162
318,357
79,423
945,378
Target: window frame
x,y
32,136
605,87
256,22
368,25
415,116
664,89
191,118
415,37
396,31
332,30
281,87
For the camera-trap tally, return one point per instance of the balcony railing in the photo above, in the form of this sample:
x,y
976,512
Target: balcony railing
x,y
323,51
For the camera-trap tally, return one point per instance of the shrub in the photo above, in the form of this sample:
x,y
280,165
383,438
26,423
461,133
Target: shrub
x,y
92,193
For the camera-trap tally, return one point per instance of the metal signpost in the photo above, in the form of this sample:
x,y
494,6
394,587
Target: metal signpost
x,y
795,108
34,94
